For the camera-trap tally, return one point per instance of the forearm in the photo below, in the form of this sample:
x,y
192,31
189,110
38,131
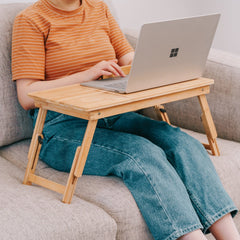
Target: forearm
x,y
25,86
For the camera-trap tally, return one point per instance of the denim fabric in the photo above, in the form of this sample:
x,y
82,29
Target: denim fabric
x,y
169,173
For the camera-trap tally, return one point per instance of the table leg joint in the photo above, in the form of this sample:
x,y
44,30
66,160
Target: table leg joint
x,y
161,111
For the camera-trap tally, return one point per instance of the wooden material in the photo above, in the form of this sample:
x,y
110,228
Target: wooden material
x,y
46,183
35,146
79,161
162,112
125,69
209,125
72,180
87,140
93,104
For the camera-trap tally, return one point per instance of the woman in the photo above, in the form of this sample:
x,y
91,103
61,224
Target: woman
x,y
62,42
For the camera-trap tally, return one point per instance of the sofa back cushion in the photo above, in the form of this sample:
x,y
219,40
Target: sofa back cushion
x,y
15,124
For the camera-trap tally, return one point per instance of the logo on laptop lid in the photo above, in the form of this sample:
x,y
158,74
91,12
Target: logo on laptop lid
x,y
174,52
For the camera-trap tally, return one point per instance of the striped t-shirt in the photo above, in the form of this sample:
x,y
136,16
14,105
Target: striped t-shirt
x,y
49,43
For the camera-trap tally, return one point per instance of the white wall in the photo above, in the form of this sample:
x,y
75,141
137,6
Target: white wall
x,y
133,13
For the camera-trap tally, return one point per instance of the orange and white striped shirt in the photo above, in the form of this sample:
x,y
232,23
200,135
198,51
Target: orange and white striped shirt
x,y
49,43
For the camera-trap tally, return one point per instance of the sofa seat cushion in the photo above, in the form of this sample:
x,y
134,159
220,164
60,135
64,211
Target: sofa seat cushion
x,y
227,166
33,212
108,193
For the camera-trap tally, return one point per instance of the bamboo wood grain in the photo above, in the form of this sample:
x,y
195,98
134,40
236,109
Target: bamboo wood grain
x,y
35,161
207,146
209,125
86,143
81,98
214,147
136,105
207,117
61,108
46,183
79,161
133,105
72,180
34,146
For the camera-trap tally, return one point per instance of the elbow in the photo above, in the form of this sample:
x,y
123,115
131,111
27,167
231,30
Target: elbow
x,y
26,102
22,93
27,107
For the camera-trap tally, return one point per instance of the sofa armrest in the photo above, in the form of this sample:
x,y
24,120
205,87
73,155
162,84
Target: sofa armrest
x,y
224,99
131,37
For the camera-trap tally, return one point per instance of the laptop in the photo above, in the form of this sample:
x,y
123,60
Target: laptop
x,y
167,52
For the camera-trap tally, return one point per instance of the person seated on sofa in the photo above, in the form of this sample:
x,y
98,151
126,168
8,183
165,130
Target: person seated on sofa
x,y
170,175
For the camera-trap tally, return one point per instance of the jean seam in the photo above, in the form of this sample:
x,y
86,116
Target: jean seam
x,y
197,204
217,216
133,159
54,119
66,139
159,198
209,220
182,232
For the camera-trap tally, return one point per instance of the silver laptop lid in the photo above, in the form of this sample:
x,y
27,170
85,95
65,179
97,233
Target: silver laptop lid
x,y
171,51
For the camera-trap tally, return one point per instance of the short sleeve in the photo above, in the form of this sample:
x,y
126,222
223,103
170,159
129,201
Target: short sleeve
x,y
28,50
117,38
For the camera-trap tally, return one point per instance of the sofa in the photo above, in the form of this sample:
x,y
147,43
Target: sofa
x,y
102,207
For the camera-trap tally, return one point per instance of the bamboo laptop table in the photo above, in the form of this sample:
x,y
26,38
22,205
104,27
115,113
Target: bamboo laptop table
x,y
93,104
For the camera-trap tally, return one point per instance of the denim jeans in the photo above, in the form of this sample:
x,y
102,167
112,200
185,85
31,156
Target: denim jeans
x,y
169,173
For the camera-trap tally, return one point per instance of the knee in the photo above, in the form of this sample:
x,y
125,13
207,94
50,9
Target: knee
x,y
140,153
144,150
183,141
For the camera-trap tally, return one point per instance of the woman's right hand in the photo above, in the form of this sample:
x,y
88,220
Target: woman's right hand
x,y
107,68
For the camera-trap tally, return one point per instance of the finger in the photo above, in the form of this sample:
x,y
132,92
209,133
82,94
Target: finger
x,y
105,73
112,68
118,69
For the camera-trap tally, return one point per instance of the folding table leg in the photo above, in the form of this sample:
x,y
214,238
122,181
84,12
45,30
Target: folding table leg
x,y
207,122
79,161
160,110
35,145
209,126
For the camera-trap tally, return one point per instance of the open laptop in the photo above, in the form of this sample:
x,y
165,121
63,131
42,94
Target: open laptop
x,y
167,52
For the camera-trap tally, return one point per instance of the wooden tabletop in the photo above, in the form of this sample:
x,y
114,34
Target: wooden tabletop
x,y
91,103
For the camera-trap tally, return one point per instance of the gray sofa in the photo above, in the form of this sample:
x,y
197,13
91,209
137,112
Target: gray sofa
x,y
102,207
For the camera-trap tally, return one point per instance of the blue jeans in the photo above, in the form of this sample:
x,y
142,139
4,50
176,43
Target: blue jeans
x,y
169,173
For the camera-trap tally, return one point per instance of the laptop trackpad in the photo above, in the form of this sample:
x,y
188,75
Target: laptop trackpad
x,y
116,83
